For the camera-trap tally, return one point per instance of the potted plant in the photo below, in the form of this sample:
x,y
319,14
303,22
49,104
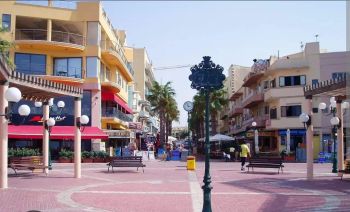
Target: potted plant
x,y
100,156
87,157
65,156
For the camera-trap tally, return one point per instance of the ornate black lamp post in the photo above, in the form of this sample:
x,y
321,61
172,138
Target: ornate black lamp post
x,y
207,77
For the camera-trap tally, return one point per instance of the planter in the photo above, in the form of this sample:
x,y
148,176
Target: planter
x,y
64,160
289,158
99,160
87,160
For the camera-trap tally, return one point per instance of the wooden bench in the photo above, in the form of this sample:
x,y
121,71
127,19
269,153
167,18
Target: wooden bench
x,y
27,163
346,170
127,161
266,163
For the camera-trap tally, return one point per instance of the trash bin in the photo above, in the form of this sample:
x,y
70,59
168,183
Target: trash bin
x,y
191,163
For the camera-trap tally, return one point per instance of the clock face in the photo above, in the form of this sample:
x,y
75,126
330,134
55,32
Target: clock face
x,y
188,106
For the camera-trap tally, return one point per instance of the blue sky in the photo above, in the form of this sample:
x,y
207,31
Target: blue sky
x,y
232,32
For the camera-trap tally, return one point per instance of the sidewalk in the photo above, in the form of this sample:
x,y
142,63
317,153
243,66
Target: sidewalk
x,y
168,186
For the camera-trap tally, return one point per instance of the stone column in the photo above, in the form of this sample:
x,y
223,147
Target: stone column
x,y
309,141
77,138
340,137
3,137
46,116
49,29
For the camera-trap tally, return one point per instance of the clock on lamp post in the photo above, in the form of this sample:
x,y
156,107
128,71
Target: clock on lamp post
x,y
188,106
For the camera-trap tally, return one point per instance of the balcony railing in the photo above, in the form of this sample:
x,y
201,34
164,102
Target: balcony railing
x,y
144,114
115,113
116,48
58,36
253,99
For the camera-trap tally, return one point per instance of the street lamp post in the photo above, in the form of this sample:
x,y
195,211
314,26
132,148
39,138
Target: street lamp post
x,y
49,123
207,77
256,137
335,122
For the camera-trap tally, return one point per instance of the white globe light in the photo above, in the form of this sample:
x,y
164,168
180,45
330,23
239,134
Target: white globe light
x,y
84,119
333,104
335,121
345,105
60,104
13,94
304,118
322,106
24,110
51,122
50,102
332,99
38,104
254,124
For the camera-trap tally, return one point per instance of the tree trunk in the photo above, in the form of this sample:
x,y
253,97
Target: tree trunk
x,y
161,126
170,127
166,130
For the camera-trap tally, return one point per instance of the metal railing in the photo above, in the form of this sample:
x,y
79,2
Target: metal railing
x,y
116,48
114,112
58,36
72,5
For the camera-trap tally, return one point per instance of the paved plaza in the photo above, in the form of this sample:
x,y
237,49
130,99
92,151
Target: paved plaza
x,y
168,186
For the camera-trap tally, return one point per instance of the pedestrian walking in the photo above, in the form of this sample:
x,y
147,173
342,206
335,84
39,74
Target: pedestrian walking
x,y
245,152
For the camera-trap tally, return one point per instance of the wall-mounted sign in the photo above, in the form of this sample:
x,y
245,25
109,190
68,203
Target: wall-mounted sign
x,y
118,133
261,133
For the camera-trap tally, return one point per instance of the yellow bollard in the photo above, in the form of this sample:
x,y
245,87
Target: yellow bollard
x,y
191,163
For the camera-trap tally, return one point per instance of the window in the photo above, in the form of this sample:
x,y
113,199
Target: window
x,y
290,111
292,80
108,74
102,72
69,67
273,83
266,110
273,113
92,66
314,81
266,84
6,22
30,63
315,110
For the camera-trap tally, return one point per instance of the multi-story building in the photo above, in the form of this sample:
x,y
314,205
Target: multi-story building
x,y
144,78
272,96
76,45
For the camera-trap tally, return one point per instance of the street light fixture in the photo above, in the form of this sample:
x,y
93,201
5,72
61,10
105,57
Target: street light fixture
x,y
13,95
207,77
335,122
82,121
256,137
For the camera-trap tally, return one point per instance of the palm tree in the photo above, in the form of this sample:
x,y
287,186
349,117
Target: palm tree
x,y
217,101
172,114
4,48
159,98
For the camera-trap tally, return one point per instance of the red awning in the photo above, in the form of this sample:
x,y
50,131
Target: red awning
x,y
108,96
58,132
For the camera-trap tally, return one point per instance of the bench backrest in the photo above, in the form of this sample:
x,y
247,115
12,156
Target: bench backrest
x,y
127,159
27,160
266,160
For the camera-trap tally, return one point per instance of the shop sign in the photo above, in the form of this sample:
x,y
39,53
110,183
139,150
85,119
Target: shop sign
x,y
118,133
261,133
135,125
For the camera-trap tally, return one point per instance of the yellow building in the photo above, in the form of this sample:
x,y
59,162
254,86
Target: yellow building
x,y
76,45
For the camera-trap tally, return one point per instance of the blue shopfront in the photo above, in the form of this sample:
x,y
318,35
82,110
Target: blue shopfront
x,y
297,143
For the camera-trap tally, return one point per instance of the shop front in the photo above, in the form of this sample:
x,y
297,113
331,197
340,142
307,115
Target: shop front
x,y
297,145
267,142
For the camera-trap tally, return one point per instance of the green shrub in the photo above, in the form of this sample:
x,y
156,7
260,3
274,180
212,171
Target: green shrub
x,y
87,154
100,154
23,152
66,154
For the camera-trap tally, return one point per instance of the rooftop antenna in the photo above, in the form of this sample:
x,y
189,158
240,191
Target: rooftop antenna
x,y
278,54
316,36
301,46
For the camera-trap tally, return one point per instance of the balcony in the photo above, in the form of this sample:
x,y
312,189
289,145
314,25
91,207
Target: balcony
x,y
144,114
114,54
235,129
289,63
144,103
236,110
252,78
236,95
37,38
253,99
283,92
112,112
284,123
260,122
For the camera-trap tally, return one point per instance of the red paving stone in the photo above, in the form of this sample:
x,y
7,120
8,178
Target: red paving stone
x,y
165,186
